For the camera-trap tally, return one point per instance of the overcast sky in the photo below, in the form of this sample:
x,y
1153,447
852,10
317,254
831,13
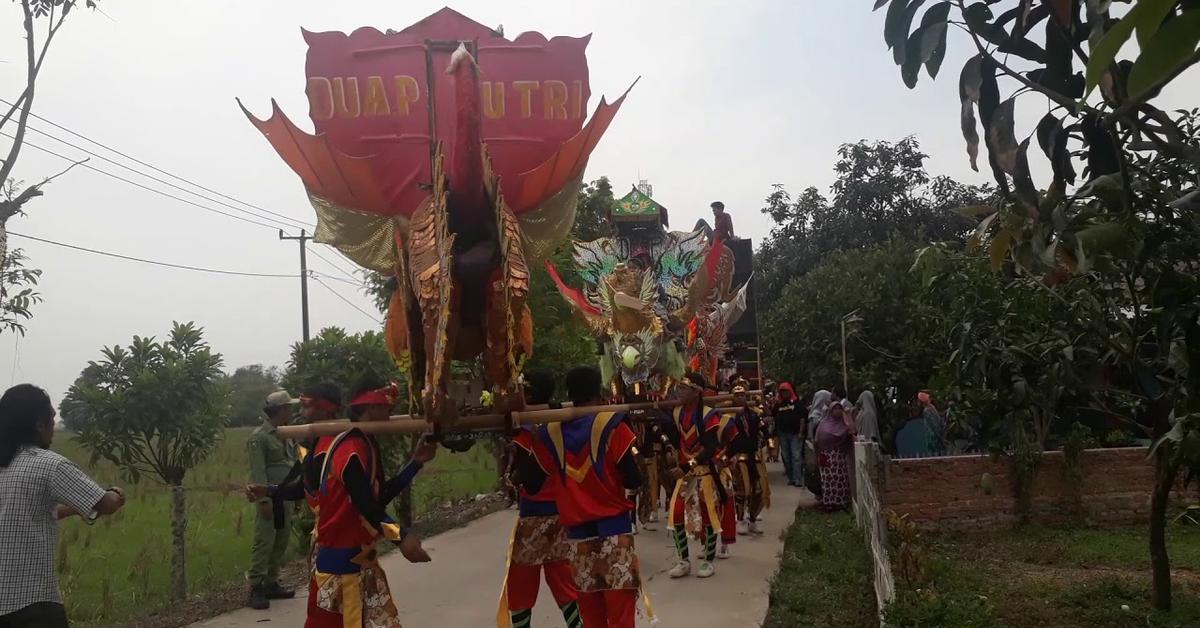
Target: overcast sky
x,y
734,96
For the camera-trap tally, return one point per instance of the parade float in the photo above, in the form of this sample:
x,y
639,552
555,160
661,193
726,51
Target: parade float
x,y
449,157
659,302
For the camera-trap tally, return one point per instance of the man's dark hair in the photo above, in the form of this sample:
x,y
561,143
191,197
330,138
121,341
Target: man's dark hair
x,y
366,383
718,205
22,408
697,379
583,384
325,391
839,392
539,387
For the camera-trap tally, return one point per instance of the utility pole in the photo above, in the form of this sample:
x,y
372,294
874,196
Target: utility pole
x,y
302,238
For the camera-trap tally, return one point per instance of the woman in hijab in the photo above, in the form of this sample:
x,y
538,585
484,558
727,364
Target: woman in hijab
x,y
866,418
934,424
834,442
818,410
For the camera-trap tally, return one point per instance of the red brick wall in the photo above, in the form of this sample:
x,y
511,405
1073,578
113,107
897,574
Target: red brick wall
x,y
950,491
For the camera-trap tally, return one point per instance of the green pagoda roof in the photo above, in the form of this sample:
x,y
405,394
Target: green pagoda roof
x,y
637,207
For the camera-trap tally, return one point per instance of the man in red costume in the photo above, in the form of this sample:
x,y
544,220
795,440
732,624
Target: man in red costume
x,y
753,493
695,502
539,542
727,433
596,462
348,587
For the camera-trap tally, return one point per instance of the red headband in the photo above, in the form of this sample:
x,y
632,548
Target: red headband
x,y
378,397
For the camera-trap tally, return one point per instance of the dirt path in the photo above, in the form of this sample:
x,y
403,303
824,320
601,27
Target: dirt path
x,y
460,587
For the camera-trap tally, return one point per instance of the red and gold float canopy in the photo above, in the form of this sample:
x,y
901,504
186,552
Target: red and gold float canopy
x,y
381,101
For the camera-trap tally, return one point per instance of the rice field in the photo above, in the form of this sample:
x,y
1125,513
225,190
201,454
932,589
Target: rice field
x,y
120,567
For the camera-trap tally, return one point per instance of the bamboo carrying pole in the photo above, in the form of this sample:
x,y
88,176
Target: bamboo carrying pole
x,y
413,424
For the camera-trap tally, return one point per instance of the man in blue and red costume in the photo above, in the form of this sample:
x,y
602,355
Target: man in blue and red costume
x,y
696,501
596,462
319,403
348,588
753,493
727,433
539,542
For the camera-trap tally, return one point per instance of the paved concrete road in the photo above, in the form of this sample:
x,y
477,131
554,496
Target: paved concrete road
x,y
459,589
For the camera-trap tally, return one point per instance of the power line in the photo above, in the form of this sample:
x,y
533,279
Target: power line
x,y
347,301
345,272
179,266
149,261
169,184
151,166
357,280
144,187
317,273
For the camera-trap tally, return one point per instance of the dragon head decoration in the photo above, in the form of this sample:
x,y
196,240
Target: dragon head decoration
x,y
643,289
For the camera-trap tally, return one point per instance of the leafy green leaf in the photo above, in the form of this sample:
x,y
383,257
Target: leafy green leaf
x,y
933,48
998,249
1023,181
1053,140
1101,154
1105,51
900,49
1172,46
932,43
1002,141
893,23
1102,238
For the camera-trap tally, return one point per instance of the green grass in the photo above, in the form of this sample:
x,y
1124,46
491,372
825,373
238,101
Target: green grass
x,y
824,576
121,566
1037,576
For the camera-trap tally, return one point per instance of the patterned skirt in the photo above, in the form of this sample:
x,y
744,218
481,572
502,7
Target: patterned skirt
x,y
605,563
835,479
359,599
539,540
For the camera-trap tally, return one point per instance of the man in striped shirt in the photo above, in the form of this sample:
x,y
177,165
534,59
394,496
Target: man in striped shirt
x,y
37,488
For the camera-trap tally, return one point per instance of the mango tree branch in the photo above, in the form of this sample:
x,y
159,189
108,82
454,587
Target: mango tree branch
x,y
1058,98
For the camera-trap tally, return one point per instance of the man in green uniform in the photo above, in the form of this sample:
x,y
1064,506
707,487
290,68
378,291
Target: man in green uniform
x,y
271,462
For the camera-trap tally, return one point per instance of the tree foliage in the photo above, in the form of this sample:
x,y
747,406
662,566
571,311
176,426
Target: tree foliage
x,y
341,359
17,291
560,341
153,407
882,191
248,388
593,211
1130,225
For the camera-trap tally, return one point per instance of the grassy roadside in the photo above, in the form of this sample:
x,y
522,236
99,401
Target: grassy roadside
x,y
824,576
1036,576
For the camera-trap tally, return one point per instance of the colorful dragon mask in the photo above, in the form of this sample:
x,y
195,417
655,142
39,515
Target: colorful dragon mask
x,y
642,290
